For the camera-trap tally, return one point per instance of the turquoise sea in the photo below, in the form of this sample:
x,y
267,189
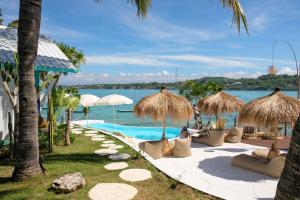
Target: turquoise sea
x,y
129,119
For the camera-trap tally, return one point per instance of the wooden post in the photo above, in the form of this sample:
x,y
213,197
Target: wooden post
x,y
235,121
50,127
285,129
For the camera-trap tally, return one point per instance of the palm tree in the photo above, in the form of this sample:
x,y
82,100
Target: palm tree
x,y
28,33
71,103
288,185
64,101
27,155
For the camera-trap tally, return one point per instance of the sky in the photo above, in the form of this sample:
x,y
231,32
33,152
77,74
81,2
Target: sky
x,y
195,38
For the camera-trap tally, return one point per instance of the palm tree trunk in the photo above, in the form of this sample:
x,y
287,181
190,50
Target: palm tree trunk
x,y
67,134
289,183
16,128
10,130
27,155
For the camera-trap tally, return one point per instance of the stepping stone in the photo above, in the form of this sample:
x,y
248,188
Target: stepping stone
x,y
134,175
90,134
98,136
76,132
119,156
109,142
112,191
97,139
116,166
76,129
116,147
105,152
107,145
91,131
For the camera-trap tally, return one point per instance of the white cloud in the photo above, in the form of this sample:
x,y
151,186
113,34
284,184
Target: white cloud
x,y
165,73
128,60
287,70
180,61
210,60
260,22
157,29
54,31
105,75
163,77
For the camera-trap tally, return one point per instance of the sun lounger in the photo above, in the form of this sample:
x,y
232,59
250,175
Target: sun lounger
x,y
265,153
272,167
152,148
215,138
180,147
235,135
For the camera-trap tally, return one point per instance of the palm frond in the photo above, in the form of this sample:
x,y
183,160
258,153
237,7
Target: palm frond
x,y
71,102
142,7
238,13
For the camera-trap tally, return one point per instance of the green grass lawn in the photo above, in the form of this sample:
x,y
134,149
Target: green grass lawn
x,y
79,157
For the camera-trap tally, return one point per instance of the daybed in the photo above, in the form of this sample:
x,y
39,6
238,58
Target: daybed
x,y
270,167
179,148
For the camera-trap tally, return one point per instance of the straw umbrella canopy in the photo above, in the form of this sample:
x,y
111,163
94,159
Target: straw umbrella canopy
x,y
270,110
162,105
220,102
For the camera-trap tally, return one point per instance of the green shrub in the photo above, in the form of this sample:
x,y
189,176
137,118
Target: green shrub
x,y
59,136
72,137
43,140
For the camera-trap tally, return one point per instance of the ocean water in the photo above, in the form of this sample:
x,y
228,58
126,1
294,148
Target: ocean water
x,y
129,119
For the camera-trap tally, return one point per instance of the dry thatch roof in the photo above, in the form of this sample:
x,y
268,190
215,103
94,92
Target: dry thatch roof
x,y
164,104
267,111
219,103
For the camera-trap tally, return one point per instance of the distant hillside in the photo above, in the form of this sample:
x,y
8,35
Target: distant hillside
x,y
265,82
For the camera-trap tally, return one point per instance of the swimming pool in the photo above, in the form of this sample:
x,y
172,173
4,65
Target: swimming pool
x,y
143,133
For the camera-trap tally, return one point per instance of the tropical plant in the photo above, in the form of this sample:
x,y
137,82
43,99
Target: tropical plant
x,y
62,102
193,90
75,56
10,83
27,162
13,24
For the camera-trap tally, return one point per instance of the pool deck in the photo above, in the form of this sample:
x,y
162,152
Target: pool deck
x,y
209,170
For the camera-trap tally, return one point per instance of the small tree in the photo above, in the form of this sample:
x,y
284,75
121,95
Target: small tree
x,y
64,102
194,91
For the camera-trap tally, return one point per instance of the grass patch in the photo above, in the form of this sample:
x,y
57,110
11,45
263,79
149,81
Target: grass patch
x,y
79,157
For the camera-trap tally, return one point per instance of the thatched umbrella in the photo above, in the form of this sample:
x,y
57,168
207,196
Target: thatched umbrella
x,y
220,102
162,105
268,111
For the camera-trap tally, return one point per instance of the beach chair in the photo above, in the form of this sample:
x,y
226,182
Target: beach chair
x,y
215,138
270,167
235,135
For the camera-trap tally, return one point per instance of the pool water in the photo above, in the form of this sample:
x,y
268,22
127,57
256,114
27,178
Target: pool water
x,y
143,133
